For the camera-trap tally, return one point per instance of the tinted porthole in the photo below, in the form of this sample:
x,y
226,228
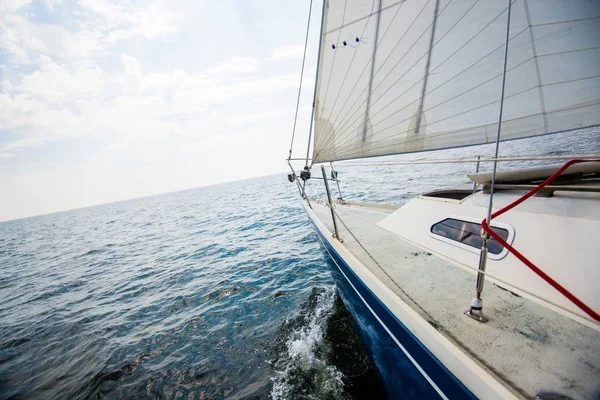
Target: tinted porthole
x,y
468,233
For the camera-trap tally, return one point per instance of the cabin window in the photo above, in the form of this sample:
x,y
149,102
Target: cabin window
x,y
468,233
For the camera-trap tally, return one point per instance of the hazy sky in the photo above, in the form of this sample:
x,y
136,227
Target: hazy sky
x,y
103,101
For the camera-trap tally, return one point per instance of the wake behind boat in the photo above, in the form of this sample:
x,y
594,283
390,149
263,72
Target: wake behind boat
x,y
412,76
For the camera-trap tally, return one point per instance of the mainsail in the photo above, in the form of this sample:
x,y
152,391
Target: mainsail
x,y
405,76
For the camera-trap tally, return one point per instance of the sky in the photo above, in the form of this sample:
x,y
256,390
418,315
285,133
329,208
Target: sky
x,y
103,100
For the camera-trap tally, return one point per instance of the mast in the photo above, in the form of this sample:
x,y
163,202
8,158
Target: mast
x,y
314,110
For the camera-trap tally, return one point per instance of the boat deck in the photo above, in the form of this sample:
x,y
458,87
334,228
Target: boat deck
x,y
533,349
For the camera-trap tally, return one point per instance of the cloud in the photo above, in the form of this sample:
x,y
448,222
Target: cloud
x,y
288,52
120,94
61,101
235,65
251,117
89,29
122,20
10,6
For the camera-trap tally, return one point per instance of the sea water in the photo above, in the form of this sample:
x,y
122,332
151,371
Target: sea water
x,y
216,292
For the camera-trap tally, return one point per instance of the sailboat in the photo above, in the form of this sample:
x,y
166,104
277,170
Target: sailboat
x,y
484,292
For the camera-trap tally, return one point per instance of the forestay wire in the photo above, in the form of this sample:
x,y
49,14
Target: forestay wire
x,y
301,76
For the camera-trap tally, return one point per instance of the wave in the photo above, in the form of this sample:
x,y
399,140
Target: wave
x,y
303,369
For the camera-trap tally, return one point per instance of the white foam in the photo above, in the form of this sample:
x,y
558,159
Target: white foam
x,y
302,356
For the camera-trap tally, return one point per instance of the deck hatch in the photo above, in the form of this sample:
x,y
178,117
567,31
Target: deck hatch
x,y
468,233
453,194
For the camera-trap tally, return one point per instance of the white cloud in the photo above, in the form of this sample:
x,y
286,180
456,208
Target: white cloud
x,y
122,20
250,117
288,52
19,38
52,3
58,101
10,6
236,65
92,31
129,107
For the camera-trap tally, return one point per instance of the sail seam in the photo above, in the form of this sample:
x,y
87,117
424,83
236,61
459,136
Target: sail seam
x,y
345,143
331,129
348,69
332,62
345,125
428,63
442,134
441,76
365,17
537,65
567,22
351,107
373,59
580,105
348,129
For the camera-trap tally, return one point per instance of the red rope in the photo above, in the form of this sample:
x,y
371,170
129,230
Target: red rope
x,y
524,259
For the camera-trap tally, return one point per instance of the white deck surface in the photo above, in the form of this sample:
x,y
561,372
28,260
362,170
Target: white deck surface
x,y
529,348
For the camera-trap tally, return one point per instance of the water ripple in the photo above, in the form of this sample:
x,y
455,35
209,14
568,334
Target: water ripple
x,y
205,293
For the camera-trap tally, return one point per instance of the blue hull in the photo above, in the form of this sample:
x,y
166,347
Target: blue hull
x,y
390,343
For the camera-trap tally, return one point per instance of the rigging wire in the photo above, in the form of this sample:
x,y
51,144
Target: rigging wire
x,y
312,111
301,76
497,147
475,311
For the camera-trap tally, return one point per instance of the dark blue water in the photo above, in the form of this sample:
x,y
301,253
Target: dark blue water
x,y
217,292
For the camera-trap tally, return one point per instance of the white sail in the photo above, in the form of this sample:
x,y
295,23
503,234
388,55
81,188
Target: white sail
x,y
406,76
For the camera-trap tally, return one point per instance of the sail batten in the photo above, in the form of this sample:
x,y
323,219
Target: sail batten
x,y
407,76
